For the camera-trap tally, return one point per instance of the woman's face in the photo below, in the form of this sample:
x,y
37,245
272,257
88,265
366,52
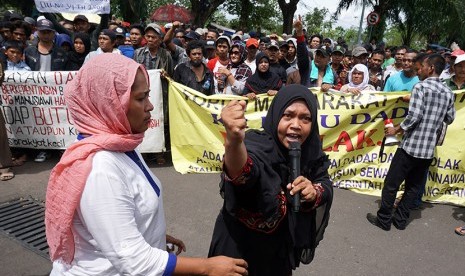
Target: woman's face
x,y
263,65
357,77
295,124
79,46
235,55
139,104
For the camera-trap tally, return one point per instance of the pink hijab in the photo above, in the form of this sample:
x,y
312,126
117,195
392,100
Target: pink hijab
x,y
98,100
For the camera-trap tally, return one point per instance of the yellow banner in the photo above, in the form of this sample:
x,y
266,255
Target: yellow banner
x,y
351,129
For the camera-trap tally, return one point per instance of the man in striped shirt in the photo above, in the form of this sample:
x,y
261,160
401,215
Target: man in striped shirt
x,y
431,104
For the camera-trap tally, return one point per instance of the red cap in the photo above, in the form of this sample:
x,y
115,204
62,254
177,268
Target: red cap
x,y
457,52
250,42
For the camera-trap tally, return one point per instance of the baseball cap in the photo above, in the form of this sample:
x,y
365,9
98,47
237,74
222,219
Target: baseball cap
x,y
80,17
283,44
210,44
30,21
16,16
223,37
325,51
251,42
272,44
45,25
460,58
236,36
457,53
358,51
154,27
339,49
192,35
120,32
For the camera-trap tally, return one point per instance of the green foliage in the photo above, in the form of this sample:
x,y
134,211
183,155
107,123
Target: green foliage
x,y
250,14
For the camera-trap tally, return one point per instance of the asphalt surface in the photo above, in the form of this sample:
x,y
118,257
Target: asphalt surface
x,y
351,245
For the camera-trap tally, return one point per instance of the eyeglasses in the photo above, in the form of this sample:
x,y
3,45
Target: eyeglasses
x,y
235,53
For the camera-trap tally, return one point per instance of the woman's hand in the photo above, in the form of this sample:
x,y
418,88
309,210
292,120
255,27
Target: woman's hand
x,y
272,92
354,91
303,186
251,96
221,265
325,87
178,243
233,116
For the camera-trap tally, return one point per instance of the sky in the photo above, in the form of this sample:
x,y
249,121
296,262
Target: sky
x,y
347,19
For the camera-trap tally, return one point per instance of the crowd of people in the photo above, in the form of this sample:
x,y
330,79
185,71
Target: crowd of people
x,y
215,62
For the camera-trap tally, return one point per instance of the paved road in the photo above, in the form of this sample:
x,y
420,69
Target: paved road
x,y
351,245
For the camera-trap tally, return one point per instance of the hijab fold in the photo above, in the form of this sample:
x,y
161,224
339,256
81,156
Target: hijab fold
x,y
366,76
98,101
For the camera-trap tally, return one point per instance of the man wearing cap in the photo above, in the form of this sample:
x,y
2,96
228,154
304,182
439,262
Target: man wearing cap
x,y
457,81
272,51
405,79
360,55
106,42
81,24
45,56
223,44
337,55
431,105
449,70
252,48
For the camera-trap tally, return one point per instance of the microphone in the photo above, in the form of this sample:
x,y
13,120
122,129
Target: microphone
x,y
294,164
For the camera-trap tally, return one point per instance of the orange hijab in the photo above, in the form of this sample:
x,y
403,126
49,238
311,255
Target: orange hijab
x,y
98,100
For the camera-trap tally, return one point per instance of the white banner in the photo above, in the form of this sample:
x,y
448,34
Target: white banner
x,y
73,6
36,116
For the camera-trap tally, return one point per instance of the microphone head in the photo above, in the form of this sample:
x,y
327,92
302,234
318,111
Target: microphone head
x,y
294,146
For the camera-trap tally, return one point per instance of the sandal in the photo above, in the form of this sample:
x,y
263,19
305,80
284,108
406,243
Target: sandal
x,y
460,230
6,174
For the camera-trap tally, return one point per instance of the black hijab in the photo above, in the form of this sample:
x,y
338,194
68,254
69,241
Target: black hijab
x,y
270,157
75,59
261,82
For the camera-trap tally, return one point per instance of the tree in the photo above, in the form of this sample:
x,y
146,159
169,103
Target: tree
x,y
253,13
288,11
203,10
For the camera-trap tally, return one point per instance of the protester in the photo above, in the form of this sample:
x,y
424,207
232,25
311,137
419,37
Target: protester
x,y
252,49
360,55
64,42
104,208
263,80
407,78
80,50
388,59
106,44
223,45
457,81
359,78
431,105
153,56
136,33
257,221
6,160
195,74
14,54
374,68
397,66
272,51
235,74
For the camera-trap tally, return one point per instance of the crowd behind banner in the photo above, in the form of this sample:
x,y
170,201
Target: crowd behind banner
x,y
351,129
36,115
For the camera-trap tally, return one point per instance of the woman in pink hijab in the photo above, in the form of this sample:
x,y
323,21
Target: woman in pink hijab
x,y
104,208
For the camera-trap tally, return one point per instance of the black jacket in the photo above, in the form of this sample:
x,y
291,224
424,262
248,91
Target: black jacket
x,y
59,58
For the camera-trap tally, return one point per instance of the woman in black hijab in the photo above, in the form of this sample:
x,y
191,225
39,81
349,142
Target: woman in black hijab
x,y
263,80
257,222
81,47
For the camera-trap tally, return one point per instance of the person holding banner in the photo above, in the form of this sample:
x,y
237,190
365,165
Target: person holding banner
x,y
431,105
358,80
6,160
104,208
258,221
